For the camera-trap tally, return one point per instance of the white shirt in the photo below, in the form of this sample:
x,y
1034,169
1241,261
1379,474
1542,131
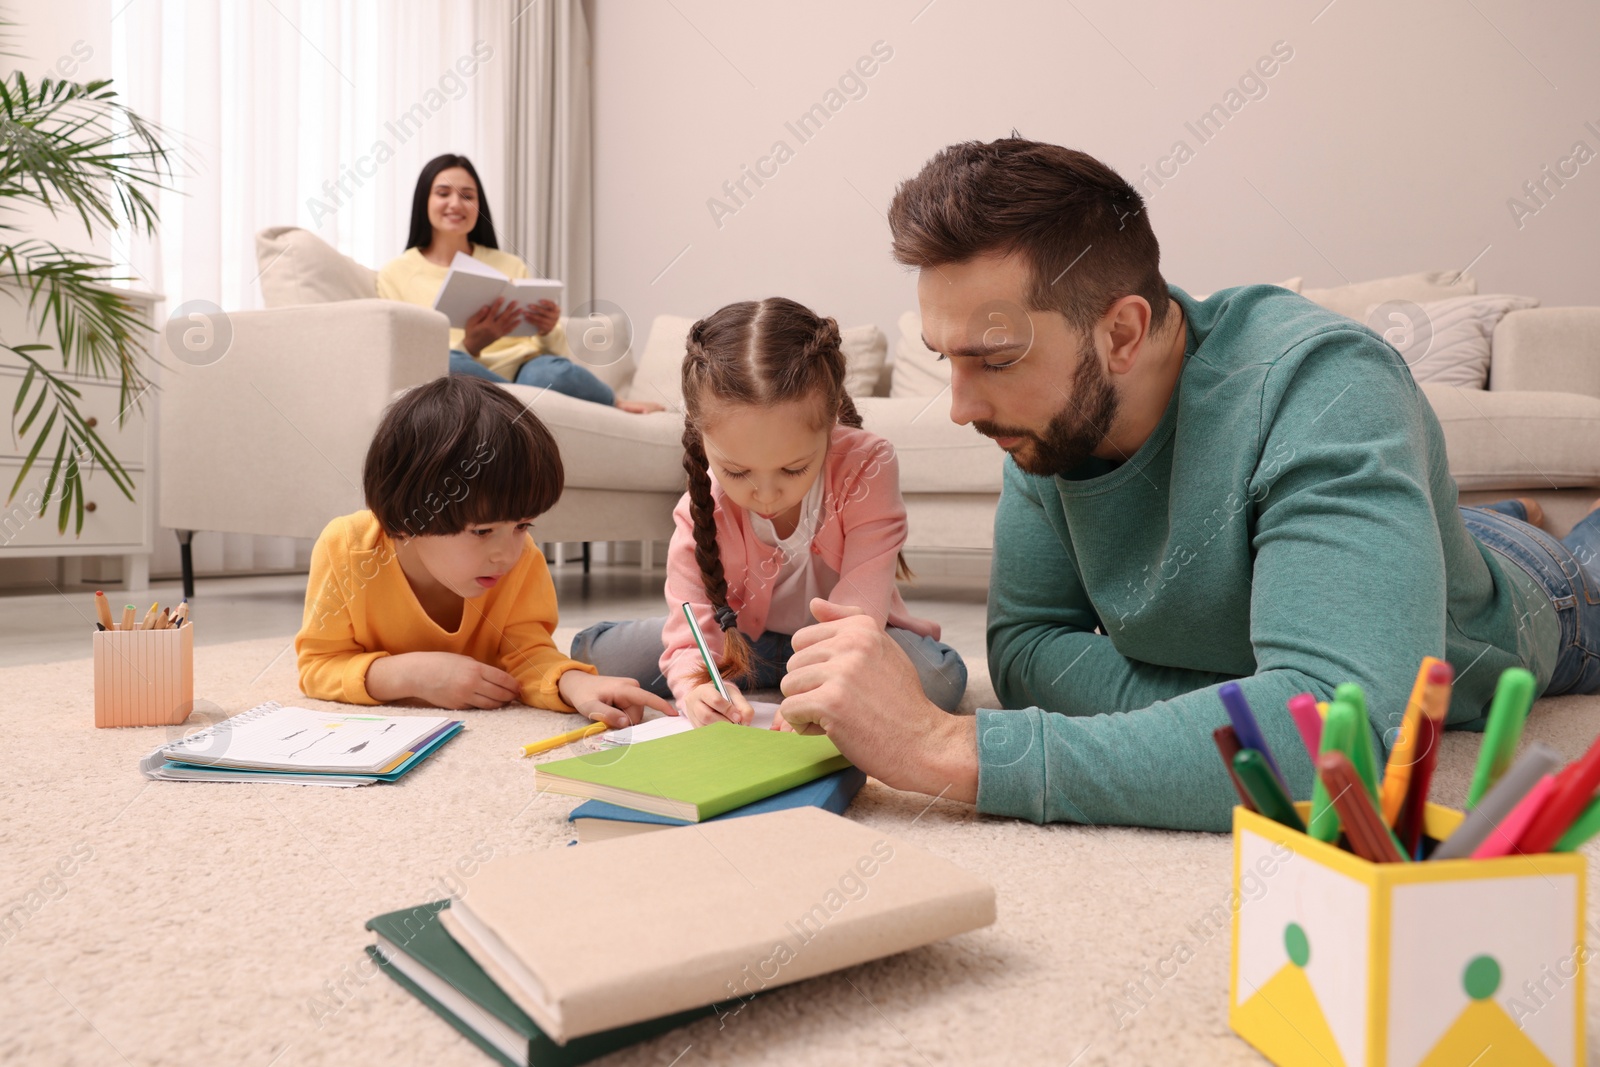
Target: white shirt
x,y
801,573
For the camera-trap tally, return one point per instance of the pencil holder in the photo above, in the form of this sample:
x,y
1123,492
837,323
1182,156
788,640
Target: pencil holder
x,y
143,677
1337,960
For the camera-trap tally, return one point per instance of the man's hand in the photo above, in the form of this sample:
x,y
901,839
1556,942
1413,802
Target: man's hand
x,y
849,680
543,316
705,705
490,323
442,679
617,702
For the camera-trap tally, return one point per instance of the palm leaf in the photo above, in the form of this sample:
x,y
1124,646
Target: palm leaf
x,y
73,148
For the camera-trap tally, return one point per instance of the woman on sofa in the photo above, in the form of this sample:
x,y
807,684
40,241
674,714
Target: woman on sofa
x,y
449,215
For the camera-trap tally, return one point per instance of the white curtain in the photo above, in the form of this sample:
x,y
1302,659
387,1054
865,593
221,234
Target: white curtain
x,y
321,114
548,206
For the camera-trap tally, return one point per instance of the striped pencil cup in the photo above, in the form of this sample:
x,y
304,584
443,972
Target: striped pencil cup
x,y
143,677
1337,960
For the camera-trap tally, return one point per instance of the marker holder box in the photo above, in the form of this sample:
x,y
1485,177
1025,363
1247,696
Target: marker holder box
x,y
1336,960
143,677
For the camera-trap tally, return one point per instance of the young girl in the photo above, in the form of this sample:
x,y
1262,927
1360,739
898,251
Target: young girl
x,y
450,215
436,593
788,500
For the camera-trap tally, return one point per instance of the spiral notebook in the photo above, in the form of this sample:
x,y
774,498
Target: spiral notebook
x,y
272,740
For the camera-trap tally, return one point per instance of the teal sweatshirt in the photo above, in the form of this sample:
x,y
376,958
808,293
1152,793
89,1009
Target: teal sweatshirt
x,y
1291,523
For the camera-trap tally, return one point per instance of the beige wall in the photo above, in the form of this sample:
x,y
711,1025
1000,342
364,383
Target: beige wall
x,y
1391,141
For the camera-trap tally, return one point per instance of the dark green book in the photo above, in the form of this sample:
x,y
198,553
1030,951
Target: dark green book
x,y
414,949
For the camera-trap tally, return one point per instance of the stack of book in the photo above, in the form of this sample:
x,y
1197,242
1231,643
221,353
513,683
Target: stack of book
x,y
798,893
298,746
720,771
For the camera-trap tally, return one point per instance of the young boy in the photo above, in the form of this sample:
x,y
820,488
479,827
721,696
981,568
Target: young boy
x,y
435,592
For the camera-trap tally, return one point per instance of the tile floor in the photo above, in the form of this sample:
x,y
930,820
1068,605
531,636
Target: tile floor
x,y
55,625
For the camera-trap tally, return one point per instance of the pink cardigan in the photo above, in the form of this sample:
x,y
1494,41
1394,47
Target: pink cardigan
x,y
862,530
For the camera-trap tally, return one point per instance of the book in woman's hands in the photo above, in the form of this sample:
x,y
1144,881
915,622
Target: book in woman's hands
x,y
471,285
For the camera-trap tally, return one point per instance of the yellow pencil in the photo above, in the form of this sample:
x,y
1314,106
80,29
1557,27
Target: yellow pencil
x,y
1397,774
150,616
564,739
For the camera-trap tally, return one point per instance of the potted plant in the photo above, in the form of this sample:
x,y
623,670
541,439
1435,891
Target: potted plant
x,y
72,148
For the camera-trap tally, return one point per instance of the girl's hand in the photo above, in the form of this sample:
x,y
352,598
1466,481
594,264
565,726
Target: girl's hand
x,y
442,679
705,705
490,323
542,316
617,702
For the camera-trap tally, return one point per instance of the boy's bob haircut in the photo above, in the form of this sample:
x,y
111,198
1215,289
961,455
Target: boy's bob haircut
x,y
459,452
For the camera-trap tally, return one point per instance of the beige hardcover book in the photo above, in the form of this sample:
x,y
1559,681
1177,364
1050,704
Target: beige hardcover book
x,y
732,908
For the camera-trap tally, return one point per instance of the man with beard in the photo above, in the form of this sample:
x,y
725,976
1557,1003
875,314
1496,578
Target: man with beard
x,y
1248,487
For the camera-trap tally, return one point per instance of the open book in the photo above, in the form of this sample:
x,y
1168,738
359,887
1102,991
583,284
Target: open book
x,y
472,284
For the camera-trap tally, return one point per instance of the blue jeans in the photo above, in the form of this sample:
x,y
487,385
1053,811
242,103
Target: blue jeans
x,y
1569,572
556,373
633,650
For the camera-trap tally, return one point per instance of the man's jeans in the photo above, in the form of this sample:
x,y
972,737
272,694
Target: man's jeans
x,y
1569,572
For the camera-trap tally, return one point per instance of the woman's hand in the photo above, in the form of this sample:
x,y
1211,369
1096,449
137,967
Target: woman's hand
x,y
542,316
490,323
617,702
705,705
441,679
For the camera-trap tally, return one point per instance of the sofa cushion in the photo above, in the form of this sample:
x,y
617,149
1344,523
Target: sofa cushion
x,y
298,267
607,448
1518,440
936,455
659,376
1354,300
1446,342
918,371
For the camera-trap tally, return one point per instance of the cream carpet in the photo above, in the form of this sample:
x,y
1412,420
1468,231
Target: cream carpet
x,y
222,924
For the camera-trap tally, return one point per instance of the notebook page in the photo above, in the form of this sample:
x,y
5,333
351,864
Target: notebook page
x,y
290,738
667,725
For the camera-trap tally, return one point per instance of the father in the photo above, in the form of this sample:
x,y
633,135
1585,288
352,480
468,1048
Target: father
x,y
1247,487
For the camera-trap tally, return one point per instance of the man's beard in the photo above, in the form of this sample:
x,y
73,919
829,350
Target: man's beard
x,y
1074,432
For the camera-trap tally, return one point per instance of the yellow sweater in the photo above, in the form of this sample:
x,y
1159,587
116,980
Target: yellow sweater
x,y
413,279
359,606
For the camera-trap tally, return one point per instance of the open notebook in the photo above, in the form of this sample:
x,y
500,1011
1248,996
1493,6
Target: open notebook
x,y
298,741
667,725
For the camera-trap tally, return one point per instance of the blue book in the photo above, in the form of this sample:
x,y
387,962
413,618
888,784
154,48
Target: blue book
x,y
595,820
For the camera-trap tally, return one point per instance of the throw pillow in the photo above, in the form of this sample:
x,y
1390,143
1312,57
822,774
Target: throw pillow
x,y
298,267
1353,300
1446,342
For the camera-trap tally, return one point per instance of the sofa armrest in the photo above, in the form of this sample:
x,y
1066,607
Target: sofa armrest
x,y
271,437
1554,350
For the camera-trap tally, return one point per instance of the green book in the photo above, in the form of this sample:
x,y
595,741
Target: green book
x,y
414,949
695,775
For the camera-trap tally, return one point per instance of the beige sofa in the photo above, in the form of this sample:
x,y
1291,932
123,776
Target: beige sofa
x,y
270,438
